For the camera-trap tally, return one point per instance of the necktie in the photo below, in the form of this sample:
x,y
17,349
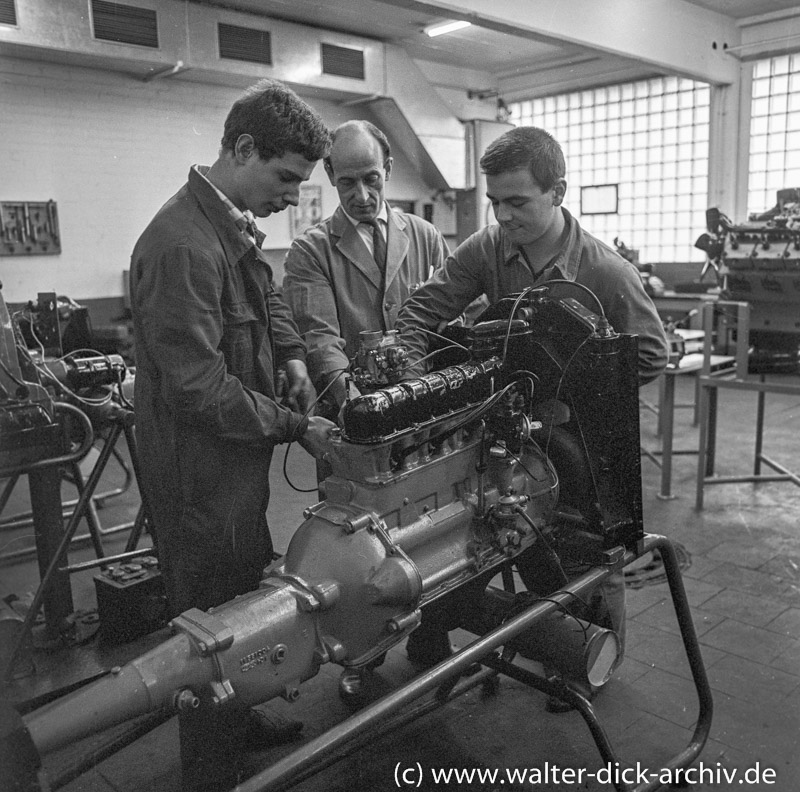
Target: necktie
x,y
378,245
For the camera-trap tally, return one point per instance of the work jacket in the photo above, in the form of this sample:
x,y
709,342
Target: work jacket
x,y
210,331
335,289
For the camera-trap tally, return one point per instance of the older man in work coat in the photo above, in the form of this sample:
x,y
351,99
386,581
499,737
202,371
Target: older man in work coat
x,y
335,283
352,273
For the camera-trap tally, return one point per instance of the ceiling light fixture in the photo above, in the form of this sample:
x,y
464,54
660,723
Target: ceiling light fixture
x,y
445,27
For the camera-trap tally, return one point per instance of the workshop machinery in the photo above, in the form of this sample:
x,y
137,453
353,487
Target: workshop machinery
x,y
756,322
758,262
54,408
38,434
519,464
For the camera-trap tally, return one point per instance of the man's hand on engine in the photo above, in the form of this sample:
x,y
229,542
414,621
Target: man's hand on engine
x,y
300,395
317,437
334,396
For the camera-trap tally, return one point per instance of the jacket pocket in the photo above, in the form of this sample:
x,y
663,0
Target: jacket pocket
x,y
239,330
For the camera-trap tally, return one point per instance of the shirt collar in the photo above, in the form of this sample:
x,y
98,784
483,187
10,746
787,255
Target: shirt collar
x,y
565,264
383,216
244,221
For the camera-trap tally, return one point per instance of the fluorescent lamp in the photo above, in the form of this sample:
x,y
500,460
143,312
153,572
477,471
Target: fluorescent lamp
x,y
446,27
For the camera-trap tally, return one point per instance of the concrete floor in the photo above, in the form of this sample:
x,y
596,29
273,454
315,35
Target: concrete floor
x,y
743,582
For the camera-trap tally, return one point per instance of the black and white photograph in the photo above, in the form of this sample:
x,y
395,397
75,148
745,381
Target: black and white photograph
x,y
399,394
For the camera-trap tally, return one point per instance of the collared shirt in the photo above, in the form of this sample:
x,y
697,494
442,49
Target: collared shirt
x,y
365,229
564,264
489,263
244,221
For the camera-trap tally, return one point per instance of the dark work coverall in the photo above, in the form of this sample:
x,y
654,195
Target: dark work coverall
x,y
210,331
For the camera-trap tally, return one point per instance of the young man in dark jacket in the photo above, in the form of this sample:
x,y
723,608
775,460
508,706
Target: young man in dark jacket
x,y
211,333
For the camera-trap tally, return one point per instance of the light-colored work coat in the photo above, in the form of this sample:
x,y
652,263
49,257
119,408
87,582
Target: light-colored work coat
x,y
334,288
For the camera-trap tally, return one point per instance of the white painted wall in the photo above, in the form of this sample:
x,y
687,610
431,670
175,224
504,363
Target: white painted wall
x,y
110,150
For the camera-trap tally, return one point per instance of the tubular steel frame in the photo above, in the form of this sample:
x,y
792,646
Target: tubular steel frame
x,y
55,571
710,385
385,714
448,681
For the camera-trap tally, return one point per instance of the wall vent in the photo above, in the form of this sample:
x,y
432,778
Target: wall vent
x,y
8,14
342,61
124,24
244,44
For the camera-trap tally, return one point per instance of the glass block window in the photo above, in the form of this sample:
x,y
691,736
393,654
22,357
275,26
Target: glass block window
x,y
651,139
774,131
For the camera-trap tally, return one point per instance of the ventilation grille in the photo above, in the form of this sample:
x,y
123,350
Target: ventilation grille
x,y
343,61
124,24
8,14
244,44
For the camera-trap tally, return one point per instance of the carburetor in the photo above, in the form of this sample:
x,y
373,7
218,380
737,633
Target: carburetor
x,y
380,360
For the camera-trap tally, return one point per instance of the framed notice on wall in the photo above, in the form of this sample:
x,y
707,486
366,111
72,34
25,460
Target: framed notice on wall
x,y
308,211
600,199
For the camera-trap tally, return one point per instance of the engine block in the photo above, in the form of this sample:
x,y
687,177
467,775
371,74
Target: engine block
x,y
517,459
758,262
